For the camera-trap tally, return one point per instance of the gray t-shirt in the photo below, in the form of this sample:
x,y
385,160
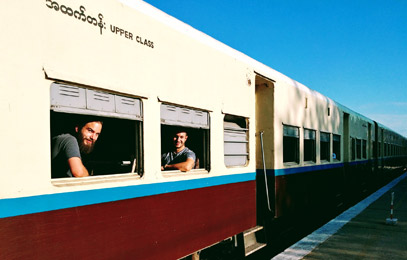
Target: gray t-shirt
x,y
173,157
63,147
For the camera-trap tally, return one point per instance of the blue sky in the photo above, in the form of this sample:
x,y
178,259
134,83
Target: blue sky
x,y
354,52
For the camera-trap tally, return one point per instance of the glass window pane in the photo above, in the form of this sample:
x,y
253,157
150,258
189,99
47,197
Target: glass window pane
x,y
336,147
309,145
325,146
291,144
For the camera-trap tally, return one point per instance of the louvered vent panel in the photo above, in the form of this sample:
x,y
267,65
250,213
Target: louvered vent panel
x,y
169,114
125,105
201,118
185,115
100,101
67,96
173,115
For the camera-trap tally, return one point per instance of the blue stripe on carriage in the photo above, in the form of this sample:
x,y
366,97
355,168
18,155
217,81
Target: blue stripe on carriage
x,y
359,162
295,170
288,171
47,202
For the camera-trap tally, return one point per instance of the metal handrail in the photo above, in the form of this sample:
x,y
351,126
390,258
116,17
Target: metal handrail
x,y
265,172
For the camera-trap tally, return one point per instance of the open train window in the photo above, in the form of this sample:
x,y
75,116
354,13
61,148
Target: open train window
x,y
364,149
309,145
118,149
196,125
358,148
235,134
325,146
353,148
336,147
291,141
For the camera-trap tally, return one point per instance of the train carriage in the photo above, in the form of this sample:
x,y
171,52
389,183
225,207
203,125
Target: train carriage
x,y
70,60
267,147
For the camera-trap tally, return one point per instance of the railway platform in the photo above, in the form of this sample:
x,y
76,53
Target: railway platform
x,y
362,232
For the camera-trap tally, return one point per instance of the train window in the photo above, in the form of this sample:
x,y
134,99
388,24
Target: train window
x,y
196,125
309,145
380,149
291,141
325,146
235,134
364,149
73,107
353,148
336,147
358,149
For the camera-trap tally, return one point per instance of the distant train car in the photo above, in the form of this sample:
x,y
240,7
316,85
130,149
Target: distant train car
x,y
266,147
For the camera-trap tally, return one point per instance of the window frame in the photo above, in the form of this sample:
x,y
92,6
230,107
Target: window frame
x,y
364,149
294,153
197,124
358,148
336,144
235,129
353,148
325,147
71,103
310,136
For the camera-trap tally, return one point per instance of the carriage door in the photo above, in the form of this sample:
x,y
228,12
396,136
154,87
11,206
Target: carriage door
x,y
265,145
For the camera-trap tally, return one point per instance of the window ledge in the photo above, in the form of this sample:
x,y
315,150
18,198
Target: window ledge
x,y
66,182
306,163
289,164
177,173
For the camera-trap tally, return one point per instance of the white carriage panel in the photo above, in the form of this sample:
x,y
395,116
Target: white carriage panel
x,y
24,101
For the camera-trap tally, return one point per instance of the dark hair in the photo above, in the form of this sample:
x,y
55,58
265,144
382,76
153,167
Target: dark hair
x,y
179,129
86,119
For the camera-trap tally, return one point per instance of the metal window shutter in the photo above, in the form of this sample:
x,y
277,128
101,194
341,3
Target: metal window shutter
x,y
67,96
200,118
174,115
125,105
184,115
96,100
71,99
235,144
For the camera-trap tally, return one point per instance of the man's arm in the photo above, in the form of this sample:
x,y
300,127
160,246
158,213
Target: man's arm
x,y
77,167
182,166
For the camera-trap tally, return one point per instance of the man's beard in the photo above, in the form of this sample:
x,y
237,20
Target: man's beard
x,y
84,148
